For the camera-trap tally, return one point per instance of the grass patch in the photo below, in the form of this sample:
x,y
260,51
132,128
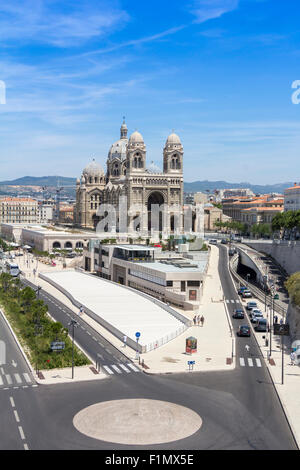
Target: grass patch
x,y
34,328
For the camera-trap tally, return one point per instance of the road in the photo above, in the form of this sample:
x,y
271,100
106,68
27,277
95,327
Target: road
x,y
239,408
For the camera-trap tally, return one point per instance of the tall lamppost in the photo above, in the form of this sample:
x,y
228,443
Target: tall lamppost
x,y
271,321
73,323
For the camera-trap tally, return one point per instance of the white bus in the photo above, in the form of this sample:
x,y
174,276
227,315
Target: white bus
x,y
12,268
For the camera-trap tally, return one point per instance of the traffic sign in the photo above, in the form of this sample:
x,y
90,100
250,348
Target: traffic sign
x,y
138,334
282,330
57,345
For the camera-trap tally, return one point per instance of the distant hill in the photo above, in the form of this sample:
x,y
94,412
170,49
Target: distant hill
x,y
41,181
188,187
202,186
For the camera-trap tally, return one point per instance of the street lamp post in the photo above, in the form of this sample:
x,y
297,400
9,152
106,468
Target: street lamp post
x,y
271,320
73,323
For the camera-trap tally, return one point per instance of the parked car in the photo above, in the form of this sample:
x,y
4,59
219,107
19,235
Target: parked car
x,y
244,330
213,241
251,305
261,325
246,294
224,241
238,313
231,251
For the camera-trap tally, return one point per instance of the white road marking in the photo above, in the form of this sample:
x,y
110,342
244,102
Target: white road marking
x,y
26,447
258,363
21,433
232,301
26,377
108,369
116,369
242,361
124,368
1,381
132,367
12,402
18,378
8,378
16,416
250,362
227,301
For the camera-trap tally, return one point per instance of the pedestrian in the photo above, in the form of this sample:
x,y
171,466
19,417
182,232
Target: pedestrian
x,y
124,341
202,320
247,347
80,310
281,321
195,319
276,319
198,319
293,357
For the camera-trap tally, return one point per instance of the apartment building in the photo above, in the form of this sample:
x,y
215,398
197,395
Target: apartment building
x,y
17,210
292,198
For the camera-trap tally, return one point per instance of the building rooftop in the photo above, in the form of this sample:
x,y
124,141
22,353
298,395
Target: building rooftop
x,y
122,307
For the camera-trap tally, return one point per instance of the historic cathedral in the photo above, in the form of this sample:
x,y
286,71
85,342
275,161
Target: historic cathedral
x,y
128,175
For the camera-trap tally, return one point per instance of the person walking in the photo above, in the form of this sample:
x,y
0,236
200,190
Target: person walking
x,y
247,347
198,320
281,321
293,358
80,310
124,341
194,320
276,319
202,320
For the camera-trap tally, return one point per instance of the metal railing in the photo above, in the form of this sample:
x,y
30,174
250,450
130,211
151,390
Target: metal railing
x,y
259,293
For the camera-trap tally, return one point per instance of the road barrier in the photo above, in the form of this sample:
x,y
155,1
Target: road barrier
x,y
259,293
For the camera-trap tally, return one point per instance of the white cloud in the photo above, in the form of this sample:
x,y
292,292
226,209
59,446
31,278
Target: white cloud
x,y
61,24
205,10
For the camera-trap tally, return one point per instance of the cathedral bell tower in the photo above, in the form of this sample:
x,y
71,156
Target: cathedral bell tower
x,y
136,154
173,155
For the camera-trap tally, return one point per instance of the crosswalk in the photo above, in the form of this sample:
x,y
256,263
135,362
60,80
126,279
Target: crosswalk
x,y
119,368
250,362
232,301
15,379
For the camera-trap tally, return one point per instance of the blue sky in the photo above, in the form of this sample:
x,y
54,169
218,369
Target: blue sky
x,y
218,72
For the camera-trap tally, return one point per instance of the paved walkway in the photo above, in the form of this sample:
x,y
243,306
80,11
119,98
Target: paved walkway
x,y
215,344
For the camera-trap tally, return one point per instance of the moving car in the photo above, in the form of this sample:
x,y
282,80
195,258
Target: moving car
x,y
241,290
251,305
256,316
244,330
213,241
246,294
224,241
238,313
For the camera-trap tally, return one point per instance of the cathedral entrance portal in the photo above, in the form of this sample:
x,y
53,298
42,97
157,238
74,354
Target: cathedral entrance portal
x,y
155,223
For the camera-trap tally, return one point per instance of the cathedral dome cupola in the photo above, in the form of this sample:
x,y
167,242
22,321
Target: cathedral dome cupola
x,y
93,169
136,138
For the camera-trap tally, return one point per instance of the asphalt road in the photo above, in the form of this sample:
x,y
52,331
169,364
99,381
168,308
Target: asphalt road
x,y
240,408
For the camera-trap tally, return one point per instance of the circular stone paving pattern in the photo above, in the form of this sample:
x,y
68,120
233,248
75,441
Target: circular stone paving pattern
x,y
137,421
